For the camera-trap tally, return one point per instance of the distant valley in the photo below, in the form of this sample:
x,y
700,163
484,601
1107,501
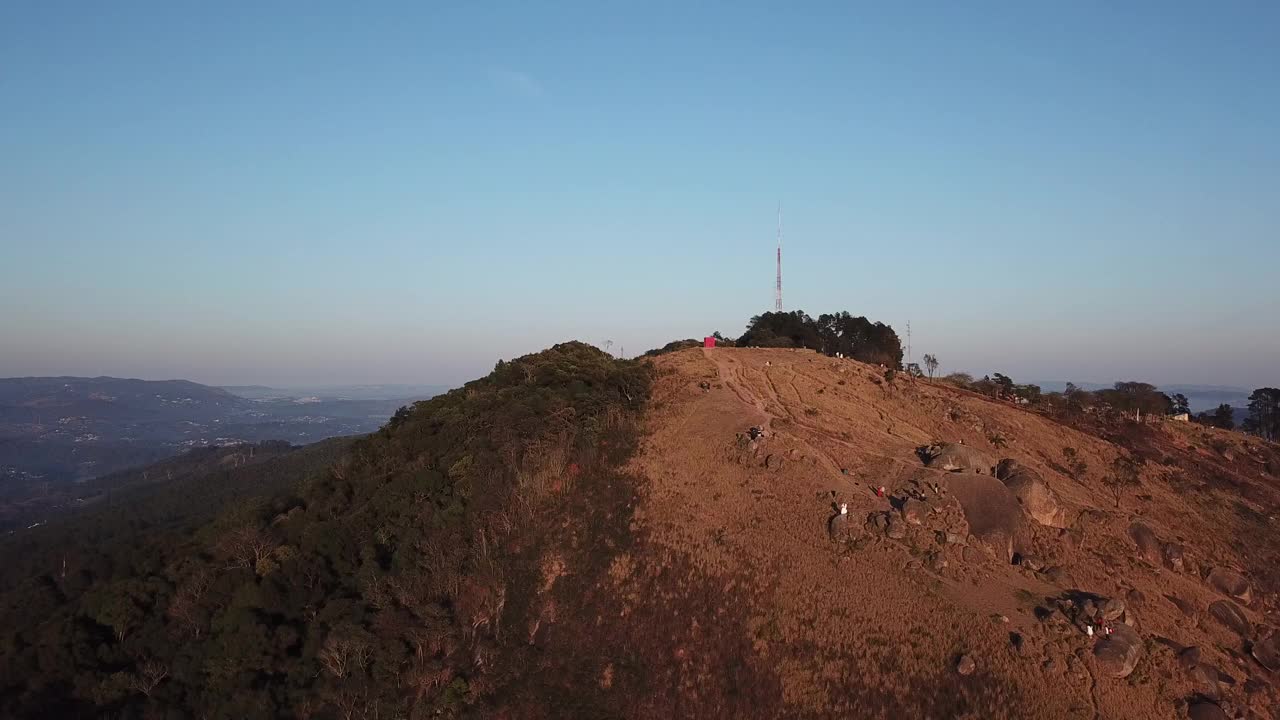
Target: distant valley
x,y
58,433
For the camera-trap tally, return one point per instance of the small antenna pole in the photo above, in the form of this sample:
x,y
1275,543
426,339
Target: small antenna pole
x,y
777,300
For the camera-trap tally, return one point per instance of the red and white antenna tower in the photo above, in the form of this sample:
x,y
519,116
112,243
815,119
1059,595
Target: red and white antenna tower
x,y
777,300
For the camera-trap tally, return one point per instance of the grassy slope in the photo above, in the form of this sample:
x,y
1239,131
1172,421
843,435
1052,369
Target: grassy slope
x,y
875,630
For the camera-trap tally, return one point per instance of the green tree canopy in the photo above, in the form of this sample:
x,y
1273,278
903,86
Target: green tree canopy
x,y
837,333
1264,413
1222,416
1180,405
1133,397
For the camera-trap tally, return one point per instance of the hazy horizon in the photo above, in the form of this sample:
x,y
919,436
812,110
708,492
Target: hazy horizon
x,y
293,385
294,195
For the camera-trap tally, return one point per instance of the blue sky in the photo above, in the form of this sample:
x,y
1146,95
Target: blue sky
x,y
292,193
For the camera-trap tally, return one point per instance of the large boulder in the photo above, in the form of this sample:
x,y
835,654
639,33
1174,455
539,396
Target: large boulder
x,y
1033,493
1113,609
1118,654
991,510
915,511
896,529
1186,607
1189,657
1267,651
1204,680
1230,614
1229,583
840,526
1204,710
1007,467
954,457
1149,545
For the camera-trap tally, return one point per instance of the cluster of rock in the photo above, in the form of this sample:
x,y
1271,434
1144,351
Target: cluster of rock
x,y
927,519
756,451
1025,485
954,457
997,497
980,508
977,511
1033,493
978,499
1260,643
981,511
1207,702
1107,623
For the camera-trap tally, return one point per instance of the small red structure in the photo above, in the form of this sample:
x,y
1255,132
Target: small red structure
x,y
708,341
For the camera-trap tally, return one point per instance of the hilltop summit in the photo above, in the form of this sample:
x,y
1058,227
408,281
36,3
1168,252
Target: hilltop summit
x,y
579,536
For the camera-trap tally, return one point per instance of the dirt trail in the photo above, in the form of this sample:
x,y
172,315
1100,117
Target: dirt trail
x,y
755,387
735,380
873,628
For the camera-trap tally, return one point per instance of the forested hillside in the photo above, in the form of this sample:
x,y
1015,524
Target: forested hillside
x,y
406,575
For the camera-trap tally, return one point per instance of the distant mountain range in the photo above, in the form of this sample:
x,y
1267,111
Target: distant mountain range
x,y
335,392
60,430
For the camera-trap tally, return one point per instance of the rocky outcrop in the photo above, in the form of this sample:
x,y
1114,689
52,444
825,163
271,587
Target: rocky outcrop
x,y
839,526
1204,679
1202,710
896,528
915,511
1118,654
1186,607
1113,609
1229,583
1149,545
1267,651
1032,492
1007,467
954,457
1085,610
1230,614
991,510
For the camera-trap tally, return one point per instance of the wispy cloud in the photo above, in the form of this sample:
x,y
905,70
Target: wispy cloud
x,y
516,83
